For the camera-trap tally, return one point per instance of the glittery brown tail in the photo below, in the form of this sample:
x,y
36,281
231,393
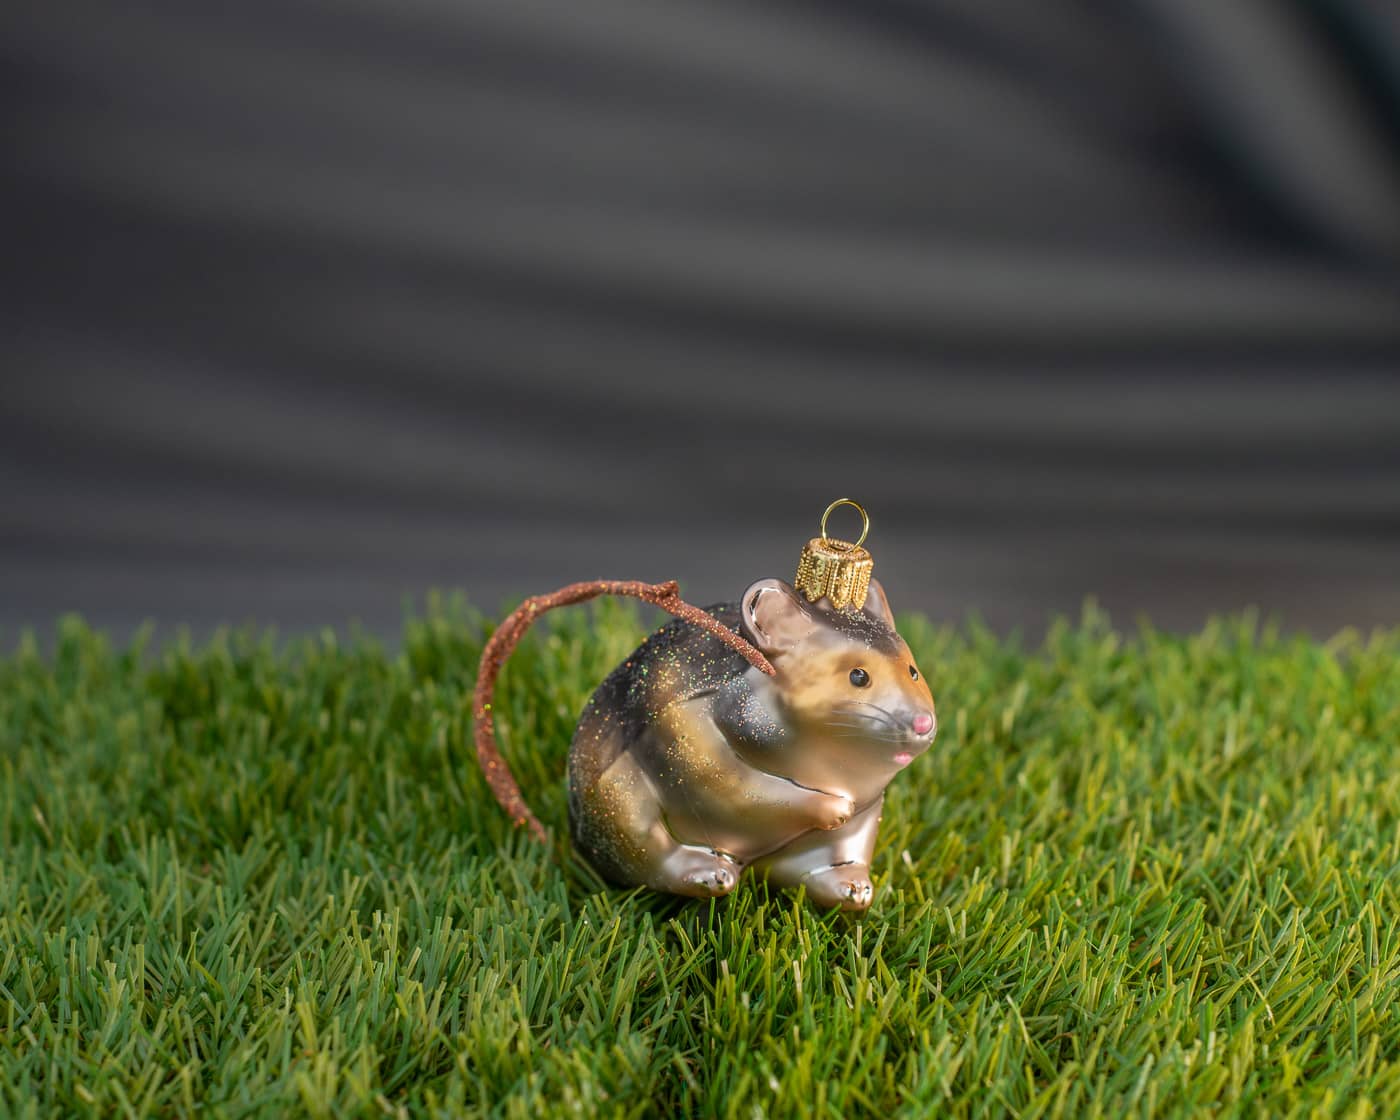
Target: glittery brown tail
x,y
512,629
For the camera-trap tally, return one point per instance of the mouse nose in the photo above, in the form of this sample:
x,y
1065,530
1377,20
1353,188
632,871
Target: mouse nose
x,y
923,723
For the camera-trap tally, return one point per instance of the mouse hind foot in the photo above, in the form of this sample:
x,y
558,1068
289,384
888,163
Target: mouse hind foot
x,y
618,825
697,872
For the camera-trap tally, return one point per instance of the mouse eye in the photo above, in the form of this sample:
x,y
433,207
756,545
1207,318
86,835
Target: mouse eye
x,y
860,678
913,672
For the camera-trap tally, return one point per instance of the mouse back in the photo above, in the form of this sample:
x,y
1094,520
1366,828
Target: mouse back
x,y
676,662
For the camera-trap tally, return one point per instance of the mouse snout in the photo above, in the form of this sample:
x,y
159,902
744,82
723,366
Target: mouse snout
x,y
923,723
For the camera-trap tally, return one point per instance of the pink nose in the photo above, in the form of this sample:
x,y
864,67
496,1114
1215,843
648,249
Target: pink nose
x,y
923,723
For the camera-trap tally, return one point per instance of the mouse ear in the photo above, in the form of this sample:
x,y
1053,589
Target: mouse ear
x,y
877,605
774,618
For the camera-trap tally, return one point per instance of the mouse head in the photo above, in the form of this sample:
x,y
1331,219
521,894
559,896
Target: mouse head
x,y
846,683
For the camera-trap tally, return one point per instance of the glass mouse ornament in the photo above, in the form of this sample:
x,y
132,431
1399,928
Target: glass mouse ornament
x,y
757,735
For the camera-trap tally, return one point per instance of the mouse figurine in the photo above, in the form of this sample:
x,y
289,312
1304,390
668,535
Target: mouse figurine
x,y
691,763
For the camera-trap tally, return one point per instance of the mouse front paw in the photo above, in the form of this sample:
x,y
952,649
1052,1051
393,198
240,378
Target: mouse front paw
x,y
846,886
833,810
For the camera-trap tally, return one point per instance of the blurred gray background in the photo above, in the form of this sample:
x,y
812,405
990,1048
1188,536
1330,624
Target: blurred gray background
x,y
311,305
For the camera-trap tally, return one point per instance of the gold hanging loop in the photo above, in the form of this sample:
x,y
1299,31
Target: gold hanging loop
x,y
864,519
836,570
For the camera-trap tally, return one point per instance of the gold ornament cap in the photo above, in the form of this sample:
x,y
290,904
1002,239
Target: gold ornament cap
x,y
838,570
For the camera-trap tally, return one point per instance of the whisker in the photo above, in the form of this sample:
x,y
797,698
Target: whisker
x,y
847,704
867,732
865,739
868,737
864,716
862,723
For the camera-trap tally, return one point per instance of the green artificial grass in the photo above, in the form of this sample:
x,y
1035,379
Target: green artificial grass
x,y
1137,875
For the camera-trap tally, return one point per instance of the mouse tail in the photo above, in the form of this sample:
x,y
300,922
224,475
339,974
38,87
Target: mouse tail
x,y
505,637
